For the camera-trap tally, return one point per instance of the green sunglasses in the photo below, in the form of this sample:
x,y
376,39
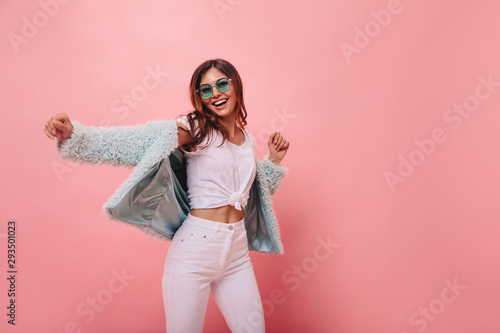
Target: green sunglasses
x,y
205,90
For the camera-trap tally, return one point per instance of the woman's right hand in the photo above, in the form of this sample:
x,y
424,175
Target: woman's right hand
x,y
59,126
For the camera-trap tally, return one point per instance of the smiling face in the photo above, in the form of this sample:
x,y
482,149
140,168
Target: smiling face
x,y
222,104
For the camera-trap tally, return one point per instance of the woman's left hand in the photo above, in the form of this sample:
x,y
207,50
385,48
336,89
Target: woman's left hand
x,y
278,147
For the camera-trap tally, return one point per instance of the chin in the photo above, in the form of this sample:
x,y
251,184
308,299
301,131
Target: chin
x,y
223,113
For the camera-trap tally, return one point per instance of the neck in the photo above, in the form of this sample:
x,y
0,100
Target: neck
x,y
229,123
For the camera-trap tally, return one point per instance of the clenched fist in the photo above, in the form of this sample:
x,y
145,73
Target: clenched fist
x,y
59,127
278,147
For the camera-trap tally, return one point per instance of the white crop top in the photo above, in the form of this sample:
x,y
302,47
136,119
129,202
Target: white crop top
x,y
220,176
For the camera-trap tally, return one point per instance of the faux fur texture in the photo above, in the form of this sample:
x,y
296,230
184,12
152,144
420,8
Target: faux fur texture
x,y
267,174
145,145
274,174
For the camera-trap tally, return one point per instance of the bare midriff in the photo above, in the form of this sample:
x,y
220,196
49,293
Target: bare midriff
x,y
225,214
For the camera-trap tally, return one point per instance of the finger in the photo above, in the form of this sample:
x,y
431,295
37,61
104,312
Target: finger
x,y
279,141
271,138
60,126
50,128
47,133
282,144
65,119
277,137
62,117
286,145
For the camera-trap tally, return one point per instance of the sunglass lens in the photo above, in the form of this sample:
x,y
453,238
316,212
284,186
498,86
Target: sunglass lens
x,y
205,91
223,85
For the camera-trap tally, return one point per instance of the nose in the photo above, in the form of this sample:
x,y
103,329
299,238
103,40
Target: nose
x,y
215,92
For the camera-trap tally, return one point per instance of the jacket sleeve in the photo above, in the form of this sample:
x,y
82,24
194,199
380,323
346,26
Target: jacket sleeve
x,y
274,174
115,145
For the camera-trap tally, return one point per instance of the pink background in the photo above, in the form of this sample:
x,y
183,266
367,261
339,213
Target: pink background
x,y
352,118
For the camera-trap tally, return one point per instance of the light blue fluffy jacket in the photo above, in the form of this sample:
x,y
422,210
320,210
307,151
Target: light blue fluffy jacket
x,y
154,196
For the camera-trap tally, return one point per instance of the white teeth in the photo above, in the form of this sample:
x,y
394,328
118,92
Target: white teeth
x,y
220,102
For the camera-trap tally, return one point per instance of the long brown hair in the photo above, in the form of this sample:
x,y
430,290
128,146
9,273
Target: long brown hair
x,y
203,117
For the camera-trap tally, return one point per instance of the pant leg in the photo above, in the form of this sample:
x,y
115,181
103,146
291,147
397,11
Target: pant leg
x,y
208,255
236,291
188,271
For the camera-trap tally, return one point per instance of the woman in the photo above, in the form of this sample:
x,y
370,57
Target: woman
x,y
228,193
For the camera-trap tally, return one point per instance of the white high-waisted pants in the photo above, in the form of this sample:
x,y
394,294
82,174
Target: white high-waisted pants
x,y
211,256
